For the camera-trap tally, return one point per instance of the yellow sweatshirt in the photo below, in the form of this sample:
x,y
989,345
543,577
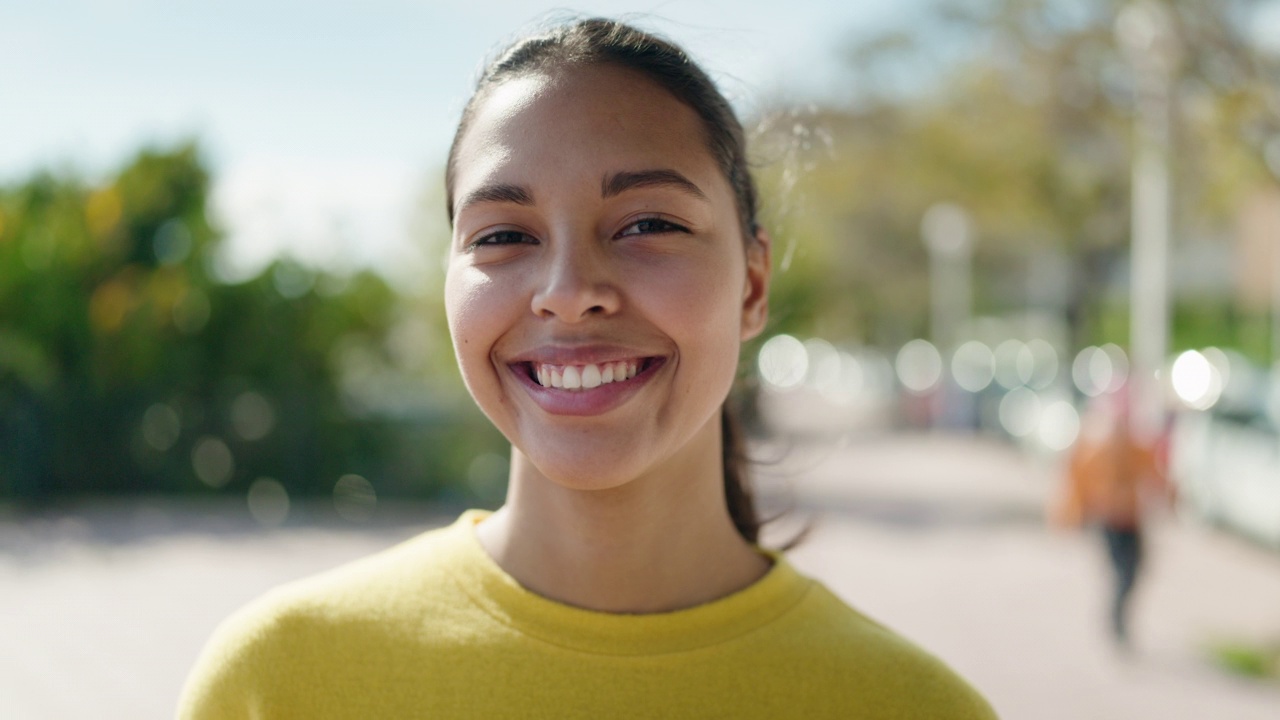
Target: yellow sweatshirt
x,y
433,628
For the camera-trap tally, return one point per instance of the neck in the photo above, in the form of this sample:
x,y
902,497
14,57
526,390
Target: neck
x,y
661,542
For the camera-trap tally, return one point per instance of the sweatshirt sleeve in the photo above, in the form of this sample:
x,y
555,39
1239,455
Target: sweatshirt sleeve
x,y
228,678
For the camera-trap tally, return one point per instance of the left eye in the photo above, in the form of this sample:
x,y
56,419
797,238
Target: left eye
x,y
503,237
649,226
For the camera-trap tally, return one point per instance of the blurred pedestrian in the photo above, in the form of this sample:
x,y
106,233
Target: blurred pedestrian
x,y
1111,478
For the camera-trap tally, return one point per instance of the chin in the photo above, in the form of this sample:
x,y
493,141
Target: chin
x,y
586,471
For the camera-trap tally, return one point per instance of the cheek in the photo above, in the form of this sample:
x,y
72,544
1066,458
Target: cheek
x,y
700,306
472,302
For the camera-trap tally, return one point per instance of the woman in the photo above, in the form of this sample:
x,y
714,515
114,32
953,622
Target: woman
x,y
606,266
1111,478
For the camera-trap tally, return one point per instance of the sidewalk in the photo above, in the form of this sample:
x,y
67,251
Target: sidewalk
x,y
942,538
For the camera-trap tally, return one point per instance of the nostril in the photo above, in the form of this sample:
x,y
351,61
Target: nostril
x,y
572,298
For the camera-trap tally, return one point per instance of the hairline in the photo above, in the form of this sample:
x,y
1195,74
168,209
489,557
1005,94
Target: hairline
x,y
562,66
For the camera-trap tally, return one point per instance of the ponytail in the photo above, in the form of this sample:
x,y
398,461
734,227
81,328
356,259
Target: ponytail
x,y
737,486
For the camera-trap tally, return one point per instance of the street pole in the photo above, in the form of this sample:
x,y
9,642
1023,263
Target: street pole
x,y
1146,33
945,229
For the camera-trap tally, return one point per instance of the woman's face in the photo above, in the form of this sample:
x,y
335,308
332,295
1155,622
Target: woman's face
x,y
598,285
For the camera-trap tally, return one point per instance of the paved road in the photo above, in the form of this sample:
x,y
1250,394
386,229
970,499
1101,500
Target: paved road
x,y
104,607
943,539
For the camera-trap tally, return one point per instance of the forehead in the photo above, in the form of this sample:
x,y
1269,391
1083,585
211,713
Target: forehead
x,y
579,123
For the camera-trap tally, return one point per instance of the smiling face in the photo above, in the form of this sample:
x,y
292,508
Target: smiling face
x,y
598,287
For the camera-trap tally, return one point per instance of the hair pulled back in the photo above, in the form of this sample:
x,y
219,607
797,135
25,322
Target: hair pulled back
x,y
598,41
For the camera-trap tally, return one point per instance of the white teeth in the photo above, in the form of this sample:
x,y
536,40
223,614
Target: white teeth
x,y
585,377
572,380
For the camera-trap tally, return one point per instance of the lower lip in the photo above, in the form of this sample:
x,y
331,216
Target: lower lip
x,y
596,401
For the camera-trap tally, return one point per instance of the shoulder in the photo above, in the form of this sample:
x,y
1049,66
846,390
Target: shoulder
x,y
854,659
381,583
308,628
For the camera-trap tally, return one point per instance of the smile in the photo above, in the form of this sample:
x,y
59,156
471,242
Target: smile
x,y
585,388
586,376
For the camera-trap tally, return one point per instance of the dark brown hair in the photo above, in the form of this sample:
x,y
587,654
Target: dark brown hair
x,y
607,42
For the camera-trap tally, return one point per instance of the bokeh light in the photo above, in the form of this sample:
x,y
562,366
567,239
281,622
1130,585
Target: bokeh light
x,y
1196,381
1044,367
1119,363
851,383
252,416
1020,412
973,366
824,365
1059,425
268,502
172,242
292,280
1083,371
783,362
1098,370
919,366
354,498
1014,363
1221,362
161,426
212,461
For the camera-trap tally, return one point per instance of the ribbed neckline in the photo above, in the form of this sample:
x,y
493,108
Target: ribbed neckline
x,y
592,631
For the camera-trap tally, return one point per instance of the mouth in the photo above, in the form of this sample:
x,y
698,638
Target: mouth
x,y
587,376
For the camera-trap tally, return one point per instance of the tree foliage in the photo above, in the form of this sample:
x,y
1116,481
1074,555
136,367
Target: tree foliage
x,y
125,365
1022,112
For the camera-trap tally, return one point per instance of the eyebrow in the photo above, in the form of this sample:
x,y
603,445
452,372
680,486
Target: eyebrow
x,y
498,193
611,185
621,182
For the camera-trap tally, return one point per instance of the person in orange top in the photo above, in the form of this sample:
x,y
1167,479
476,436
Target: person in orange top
x,y
1110,478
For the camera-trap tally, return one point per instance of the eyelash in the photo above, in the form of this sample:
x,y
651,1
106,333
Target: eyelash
x,y
663,226
490,238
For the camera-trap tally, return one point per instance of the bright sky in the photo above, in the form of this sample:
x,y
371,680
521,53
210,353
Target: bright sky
x,y
324,120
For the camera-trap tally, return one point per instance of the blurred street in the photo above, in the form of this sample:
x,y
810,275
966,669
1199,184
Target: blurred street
x,y
939,537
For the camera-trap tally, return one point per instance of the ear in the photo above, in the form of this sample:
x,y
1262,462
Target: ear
x,y
755,292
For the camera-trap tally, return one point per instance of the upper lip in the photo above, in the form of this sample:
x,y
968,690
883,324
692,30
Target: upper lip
x,y
595,353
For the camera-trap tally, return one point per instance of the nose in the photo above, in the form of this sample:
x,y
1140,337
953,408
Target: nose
x,y
575,283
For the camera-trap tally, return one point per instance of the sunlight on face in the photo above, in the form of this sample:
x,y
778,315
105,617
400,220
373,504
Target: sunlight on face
x,y
598,288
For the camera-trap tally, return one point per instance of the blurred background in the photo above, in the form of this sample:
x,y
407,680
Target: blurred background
x,y
224,363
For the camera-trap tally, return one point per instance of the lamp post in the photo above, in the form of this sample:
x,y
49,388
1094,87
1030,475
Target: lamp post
x,y
1145,31
945,229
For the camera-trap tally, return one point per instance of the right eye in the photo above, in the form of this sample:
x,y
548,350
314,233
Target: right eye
x,y
504,237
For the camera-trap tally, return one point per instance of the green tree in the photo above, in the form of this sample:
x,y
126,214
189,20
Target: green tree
x,y
126,367
1021,111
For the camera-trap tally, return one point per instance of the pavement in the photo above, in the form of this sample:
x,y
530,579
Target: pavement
x,y
943,539
105,605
